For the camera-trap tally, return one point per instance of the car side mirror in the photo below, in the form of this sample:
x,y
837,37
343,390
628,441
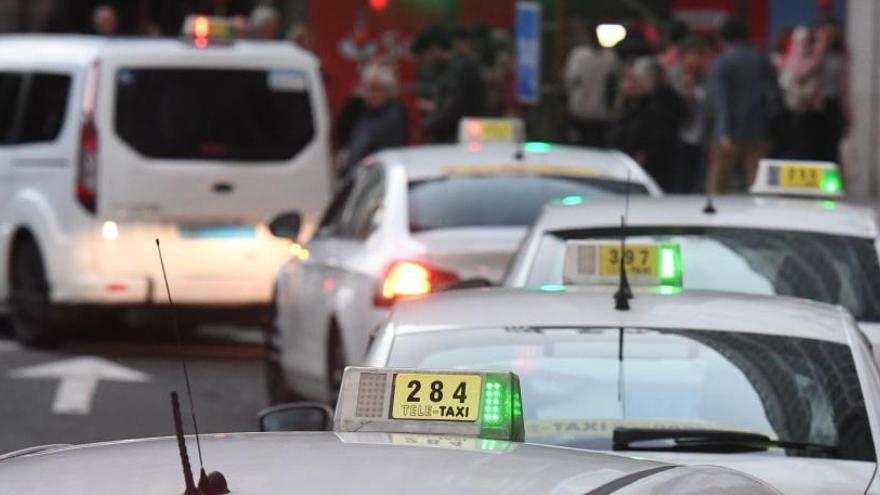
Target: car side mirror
x,y
297,416
286,225
470,283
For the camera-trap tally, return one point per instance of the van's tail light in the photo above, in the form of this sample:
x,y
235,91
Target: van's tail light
x,y
87,167
411,279
87,164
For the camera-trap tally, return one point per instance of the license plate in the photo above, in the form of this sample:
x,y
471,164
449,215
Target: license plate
x,y
217,231
801,176
436,397
640,259
496,131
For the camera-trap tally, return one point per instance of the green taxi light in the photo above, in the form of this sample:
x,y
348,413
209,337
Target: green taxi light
x,y
670,265
551,288
537,147
573,200
829,205
831,182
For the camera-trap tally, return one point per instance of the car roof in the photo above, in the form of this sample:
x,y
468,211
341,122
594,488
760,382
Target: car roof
x,y
58,49
321,462
428,161
594,307
771,213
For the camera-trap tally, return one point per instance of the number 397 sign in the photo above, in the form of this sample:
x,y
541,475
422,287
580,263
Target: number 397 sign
x,y
436,397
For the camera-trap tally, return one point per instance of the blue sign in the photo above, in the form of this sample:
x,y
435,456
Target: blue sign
x,y
528,52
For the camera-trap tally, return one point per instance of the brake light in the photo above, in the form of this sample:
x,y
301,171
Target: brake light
x,y
411,279
86,186
87,168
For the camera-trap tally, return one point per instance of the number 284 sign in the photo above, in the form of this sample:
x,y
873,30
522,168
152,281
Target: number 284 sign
x,y
437,397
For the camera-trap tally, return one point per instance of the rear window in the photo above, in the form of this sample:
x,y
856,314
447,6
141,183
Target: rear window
x,y
499,200
250,115
828,268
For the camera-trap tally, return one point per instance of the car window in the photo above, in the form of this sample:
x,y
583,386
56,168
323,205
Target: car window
x,y
576,387
330,222
10,85
828,268
238,115
44,108
499,199
363,212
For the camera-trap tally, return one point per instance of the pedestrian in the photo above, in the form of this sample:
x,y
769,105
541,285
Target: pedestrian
x,y
832,122
689,79
649,116
744,88
587,73
676,32
301,35
371,120
799,81
461,90
265,22
105,20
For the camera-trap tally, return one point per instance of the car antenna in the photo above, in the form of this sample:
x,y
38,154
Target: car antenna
x,y
709,209
215,483
181,447
520,153
624,291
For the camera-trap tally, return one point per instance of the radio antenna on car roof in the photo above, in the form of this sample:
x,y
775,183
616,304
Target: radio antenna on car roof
x,y
215,483
624,292
709,209
181,447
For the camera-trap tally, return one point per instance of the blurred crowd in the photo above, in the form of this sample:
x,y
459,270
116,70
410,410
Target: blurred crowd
x,y
699,114
696,111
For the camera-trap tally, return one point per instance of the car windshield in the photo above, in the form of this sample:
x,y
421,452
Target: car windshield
x,y
214,114
828,268
500,199
576,389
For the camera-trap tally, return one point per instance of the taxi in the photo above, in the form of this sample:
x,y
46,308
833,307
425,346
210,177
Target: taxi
x,y
780,388
776,241
376,448
414,220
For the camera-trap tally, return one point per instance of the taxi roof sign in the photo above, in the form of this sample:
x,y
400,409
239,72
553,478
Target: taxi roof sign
x,y
490,130
204,28
484,404
798,178
594,262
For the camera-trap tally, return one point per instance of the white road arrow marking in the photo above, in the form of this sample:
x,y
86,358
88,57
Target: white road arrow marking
x,y
79,379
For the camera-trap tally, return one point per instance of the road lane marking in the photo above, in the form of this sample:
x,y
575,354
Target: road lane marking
x,y
78,380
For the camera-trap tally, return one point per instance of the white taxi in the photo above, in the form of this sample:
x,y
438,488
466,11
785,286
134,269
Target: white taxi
x,y
816,248
376,448
780,388
414,220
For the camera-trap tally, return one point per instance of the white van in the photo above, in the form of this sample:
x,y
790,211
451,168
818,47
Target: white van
x,y
109,144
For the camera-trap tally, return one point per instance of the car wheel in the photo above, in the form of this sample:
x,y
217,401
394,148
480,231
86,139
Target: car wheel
x,y
276,384
31,309
335,363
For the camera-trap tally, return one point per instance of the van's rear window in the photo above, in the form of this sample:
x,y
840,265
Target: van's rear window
x,y
210,114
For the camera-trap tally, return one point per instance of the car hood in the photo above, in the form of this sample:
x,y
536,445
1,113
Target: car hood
x,y
790,475
473,252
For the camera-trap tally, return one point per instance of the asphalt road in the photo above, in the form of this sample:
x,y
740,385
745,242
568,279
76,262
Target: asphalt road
x,y
96,390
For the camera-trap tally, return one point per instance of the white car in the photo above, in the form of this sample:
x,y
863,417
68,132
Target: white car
x,y
394,457
414,220
780,388
107,144
822,250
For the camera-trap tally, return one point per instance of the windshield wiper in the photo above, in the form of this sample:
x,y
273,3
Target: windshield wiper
x,y
707,440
